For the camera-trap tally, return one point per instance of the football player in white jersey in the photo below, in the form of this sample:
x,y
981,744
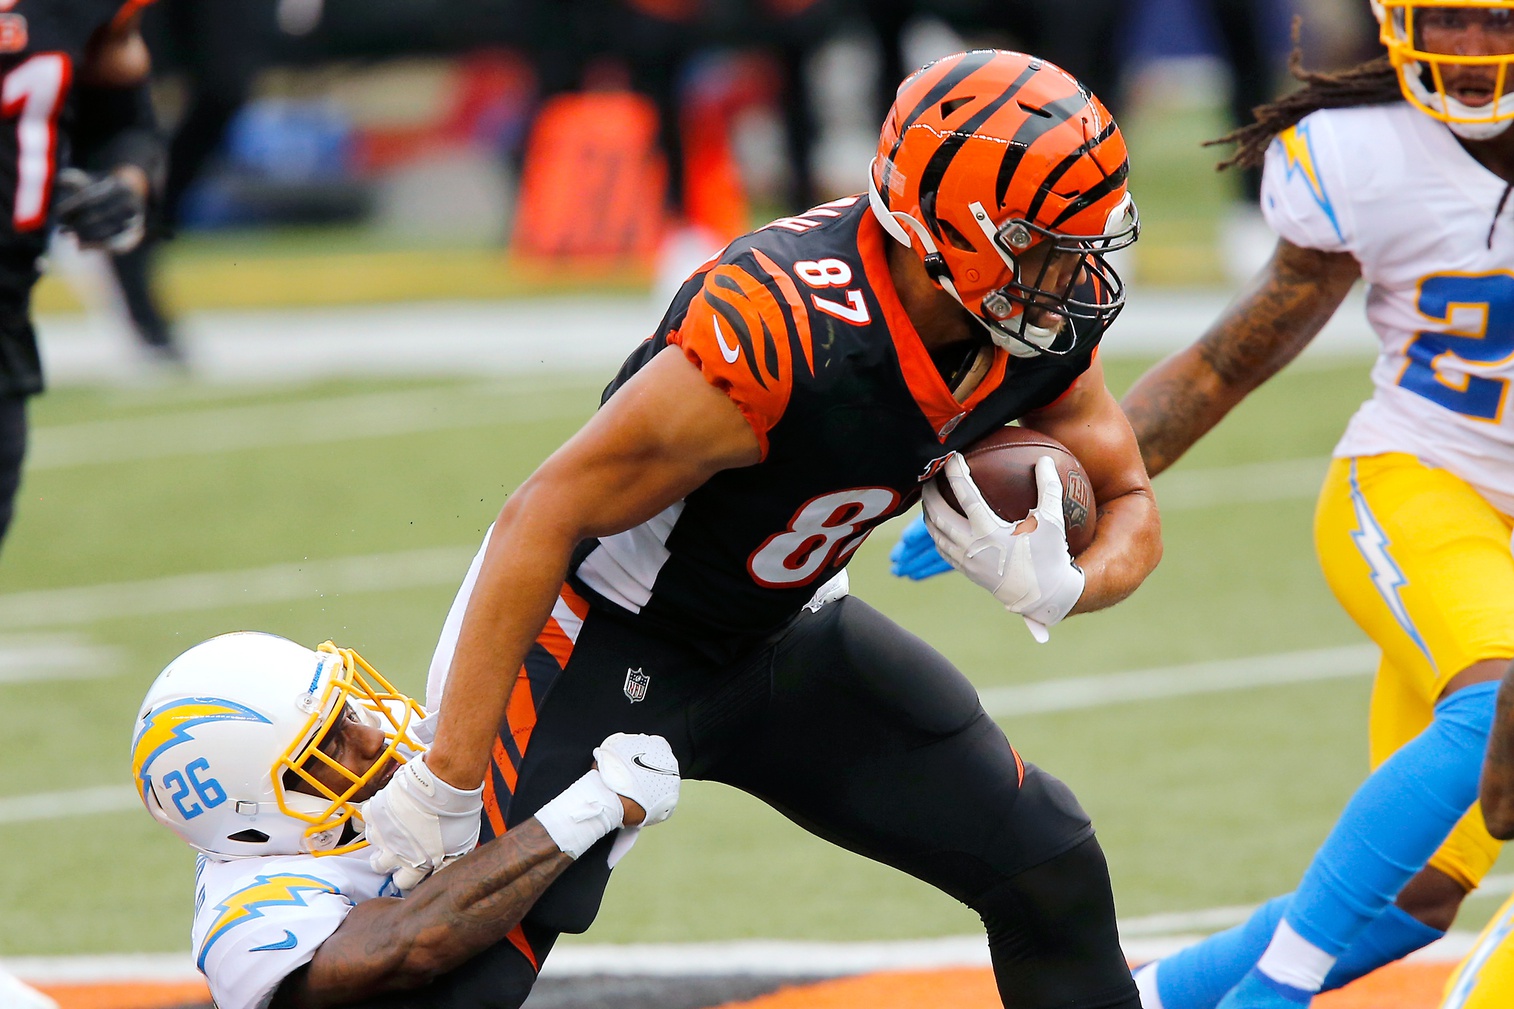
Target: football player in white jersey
x,y
259,752
1398,172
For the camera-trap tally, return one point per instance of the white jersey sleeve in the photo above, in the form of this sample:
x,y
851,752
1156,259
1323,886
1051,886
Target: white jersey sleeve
x,y
258,920
1305,192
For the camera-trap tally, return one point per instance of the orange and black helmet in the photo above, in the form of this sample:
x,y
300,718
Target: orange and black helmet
x,y
1006,175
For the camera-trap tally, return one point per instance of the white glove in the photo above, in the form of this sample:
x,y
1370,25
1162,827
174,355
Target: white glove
x,y
417,823
643,769
1032,573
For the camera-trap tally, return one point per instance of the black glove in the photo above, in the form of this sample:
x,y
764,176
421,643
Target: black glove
x,y
102,210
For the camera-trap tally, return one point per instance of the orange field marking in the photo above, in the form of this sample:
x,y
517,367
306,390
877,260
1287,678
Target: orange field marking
x,y
1401,986
143,995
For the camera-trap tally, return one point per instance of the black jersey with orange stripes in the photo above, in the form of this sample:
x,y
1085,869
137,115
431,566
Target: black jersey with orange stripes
x,y
43,43
800,325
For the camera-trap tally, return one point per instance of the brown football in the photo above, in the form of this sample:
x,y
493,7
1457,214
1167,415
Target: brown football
x,y
1003,465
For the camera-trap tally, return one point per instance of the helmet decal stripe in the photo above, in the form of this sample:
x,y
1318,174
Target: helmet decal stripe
x,y
1063,167
1053,114
965,67
1094,194
941,159
169,726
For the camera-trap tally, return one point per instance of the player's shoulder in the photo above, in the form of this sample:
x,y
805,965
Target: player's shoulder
x,y
257,919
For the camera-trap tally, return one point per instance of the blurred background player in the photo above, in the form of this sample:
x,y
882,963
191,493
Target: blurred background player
x,y
1398,172
258,753
1413,523
220,47
678,565
84,154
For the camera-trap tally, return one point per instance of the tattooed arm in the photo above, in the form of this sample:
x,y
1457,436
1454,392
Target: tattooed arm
x,y
388,944
1497,793
1266,326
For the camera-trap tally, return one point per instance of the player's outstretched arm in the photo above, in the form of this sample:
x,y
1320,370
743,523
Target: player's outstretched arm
x,y
390,944
1266,326
1127,541
658,438
1497,789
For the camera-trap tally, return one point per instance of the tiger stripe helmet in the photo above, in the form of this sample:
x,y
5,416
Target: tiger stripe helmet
x,y
993,166
1422,71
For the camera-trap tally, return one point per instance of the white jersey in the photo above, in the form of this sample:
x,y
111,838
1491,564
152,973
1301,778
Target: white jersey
x,y
1392,187
258,920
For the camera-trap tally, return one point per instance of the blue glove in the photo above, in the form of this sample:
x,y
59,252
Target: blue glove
x,y
915,555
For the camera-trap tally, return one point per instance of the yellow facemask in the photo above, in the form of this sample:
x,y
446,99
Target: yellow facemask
x,y
1422,72
377,703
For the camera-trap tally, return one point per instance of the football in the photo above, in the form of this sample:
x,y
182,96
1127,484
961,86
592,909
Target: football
x,y
1003,465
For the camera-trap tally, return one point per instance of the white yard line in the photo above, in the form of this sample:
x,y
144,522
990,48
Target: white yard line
x,y
1248,483
74,802
32,658
1076,692
311,422
751,956
65,607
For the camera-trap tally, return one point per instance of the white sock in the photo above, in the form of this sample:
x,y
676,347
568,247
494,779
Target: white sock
x,y
1295,961
1146,985
586,811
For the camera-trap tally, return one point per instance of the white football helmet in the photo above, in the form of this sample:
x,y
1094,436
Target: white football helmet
x,y
234,720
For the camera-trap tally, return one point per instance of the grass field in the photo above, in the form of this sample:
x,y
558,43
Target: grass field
x,y
271,492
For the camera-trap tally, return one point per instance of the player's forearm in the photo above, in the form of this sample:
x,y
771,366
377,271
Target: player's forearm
x,y
1269,323
522,573
1126,548
387,945
1497,789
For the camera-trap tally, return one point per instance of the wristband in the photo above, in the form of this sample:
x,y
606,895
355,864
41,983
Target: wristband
x,y
586,811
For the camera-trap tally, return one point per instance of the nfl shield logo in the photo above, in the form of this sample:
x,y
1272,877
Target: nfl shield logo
x,y
636,684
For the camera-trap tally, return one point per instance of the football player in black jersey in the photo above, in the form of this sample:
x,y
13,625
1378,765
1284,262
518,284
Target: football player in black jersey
x,y
677,566
80,150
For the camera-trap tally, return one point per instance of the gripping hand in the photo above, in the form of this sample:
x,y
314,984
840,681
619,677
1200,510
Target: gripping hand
x,y
1031,573
103,211
915,555
417,823
643,769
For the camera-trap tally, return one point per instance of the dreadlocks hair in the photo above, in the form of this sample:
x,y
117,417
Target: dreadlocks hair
x,y
1372,83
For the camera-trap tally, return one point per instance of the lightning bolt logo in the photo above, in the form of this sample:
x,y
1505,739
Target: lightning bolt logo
x,y
169,726
1373,545
247,904
1298,155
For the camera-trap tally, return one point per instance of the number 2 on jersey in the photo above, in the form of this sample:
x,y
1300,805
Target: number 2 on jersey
x,y
33,94
1439,298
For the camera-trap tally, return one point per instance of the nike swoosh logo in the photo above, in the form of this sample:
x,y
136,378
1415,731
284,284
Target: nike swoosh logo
x,y
726,350
288,942
652,767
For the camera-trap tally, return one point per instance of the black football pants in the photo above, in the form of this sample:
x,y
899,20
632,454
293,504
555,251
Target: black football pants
x,y
862,734
12,453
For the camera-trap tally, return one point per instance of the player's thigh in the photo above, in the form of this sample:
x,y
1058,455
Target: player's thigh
x,y
1485,977
614,679
1421,562
874,741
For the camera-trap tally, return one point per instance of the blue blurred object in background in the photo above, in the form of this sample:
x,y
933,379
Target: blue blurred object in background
x,y
284,161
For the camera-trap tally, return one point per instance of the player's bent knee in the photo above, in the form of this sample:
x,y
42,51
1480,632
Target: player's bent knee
x,y
1053,938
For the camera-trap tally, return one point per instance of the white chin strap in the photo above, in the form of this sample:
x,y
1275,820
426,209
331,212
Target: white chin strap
x,y
1490,120
906,230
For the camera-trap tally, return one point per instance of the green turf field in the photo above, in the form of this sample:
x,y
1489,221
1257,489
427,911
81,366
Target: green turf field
x,y
1201,801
